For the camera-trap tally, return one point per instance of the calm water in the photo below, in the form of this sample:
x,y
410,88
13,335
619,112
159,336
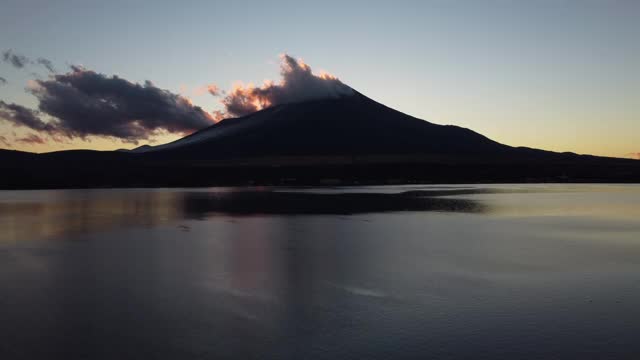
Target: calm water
x,y
398,272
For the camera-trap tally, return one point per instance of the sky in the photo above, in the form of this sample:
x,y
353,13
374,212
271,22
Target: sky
x,y
557,75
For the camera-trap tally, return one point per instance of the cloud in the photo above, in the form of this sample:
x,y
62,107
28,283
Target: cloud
x,y
2,80
83,103
32,139
219,115
634,155
19,61
213,89
298,84
86,103
19,115
47,64
16,60
242,101
4,141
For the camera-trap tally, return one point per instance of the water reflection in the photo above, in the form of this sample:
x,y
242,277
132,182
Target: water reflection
x,y
305,203
56,214
284,274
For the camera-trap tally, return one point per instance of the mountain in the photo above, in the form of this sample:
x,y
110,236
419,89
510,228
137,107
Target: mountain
x,y
348,140
350,125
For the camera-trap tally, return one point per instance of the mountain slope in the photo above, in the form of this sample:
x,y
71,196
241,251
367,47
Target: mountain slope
x,y
351,125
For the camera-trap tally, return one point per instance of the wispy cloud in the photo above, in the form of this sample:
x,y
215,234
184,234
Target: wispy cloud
x,y
214,90
4,141
47,64
22,116
31,139
20,61
16,60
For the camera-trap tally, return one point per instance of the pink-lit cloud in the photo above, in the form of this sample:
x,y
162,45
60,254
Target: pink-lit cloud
x,y
298,84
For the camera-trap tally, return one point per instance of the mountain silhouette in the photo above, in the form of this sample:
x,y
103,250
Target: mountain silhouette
x,y
349,125
347,140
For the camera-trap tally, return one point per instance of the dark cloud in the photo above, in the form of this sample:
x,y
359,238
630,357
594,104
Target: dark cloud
x,y
17,60
2,80
31,139
19,115
20,61
85,103
47,64
298,84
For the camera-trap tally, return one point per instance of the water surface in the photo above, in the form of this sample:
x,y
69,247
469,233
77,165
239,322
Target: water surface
x,y
391,272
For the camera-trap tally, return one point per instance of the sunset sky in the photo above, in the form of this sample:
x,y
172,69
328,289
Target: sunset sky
x,y
557,75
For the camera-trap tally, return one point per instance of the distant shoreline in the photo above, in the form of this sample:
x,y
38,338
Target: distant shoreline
x,y
112,170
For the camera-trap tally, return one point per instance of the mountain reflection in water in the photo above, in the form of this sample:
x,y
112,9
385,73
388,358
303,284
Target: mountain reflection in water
x,y
409,272
51,214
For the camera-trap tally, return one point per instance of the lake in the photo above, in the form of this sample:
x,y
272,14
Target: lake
x,y
382,272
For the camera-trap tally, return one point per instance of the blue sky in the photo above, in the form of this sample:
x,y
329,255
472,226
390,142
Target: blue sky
x,y
558,75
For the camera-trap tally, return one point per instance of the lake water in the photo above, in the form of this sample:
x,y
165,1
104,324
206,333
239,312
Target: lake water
x,y
390,272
